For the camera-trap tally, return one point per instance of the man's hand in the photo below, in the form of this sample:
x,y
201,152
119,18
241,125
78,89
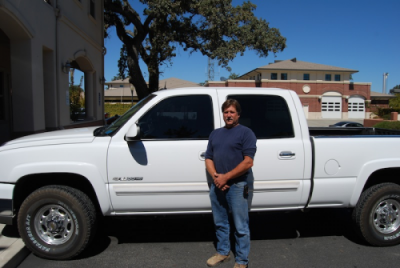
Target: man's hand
x,y
220,180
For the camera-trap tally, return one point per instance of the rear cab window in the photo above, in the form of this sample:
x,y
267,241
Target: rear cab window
x,y
267,115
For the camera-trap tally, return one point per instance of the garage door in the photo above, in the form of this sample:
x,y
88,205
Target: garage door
x,y
331,107
356,107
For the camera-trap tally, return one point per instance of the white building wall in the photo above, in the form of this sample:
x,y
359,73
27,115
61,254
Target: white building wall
x,y
43,37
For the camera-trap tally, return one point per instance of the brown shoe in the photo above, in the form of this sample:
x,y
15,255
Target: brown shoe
x,y
217,259
237,265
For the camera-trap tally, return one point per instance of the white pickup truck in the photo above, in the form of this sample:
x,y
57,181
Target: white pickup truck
x,y
56,185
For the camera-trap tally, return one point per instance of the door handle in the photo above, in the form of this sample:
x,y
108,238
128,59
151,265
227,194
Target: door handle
x,y
287,155
202,155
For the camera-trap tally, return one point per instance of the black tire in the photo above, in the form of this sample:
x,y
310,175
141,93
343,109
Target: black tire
x,y
377,215
57,222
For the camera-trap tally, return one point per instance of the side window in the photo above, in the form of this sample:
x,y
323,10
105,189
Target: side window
x,y
268,116
182,117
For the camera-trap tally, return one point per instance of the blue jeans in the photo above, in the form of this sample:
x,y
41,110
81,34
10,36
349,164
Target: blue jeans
x,y
235,201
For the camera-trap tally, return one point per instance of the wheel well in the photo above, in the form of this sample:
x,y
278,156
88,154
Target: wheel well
x,y
383,175
28,184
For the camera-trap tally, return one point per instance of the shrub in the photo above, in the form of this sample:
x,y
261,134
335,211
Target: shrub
x,y
116,109
382,112
388,125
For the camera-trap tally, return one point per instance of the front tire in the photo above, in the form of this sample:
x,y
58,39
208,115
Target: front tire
x,y
377,215
57,222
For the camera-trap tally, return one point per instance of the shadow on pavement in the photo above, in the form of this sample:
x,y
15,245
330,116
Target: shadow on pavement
x,y
199,228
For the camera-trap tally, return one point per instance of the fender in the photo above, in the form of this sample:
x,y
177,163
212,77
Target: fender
x,y
366,171
89,171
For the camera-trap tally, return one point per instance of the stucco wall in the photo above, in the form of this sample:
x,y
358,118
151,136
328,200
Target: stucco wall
x,y
43,38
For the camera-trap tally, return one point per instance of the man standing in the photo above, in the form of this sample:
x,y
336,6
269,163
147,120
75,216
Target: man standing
x,y
229,158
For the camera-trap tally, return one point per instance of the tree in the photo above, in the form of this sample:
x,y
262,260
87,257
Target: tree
x,y
393,91
233,76
214,28
76,96
117,77
395,102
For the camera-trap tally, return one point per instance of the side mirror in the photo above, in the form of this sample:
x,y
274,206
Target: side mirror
x,y
133,133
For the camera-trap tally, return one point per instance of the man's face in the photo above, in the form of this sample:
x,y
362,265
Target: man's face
x,y
231,117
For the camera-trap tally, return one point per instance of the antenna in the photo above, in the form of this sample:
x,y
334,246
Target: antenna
x,y
210,70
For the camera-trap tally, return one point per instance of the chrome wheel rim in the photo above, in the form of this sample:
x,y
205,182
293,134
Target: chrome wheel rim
x,y
386,216
54,224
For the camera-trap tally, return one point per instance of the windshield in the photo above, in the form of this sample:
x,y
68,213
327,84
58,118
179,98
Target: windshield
x,y
117,124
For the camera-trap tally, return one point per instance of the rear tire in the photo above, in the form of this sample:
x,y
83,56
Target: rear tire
x,y
377,215
57,222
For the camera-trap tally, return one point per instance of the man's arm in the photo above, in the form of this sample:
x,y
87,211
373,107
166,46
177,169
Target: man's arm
x,y
210,168
221,180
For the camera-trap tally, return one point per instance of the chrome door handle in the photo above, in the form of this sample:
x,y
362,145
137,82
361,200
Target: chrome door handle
x,y
287,155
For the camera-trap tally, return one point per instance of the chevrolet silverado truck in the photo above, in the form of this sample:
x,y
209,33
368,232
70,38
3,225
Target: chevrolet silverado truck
x,y
55,186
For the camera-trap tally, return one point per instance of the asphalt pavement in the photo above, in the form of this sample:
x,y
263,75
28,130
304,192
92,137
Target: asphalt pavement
x,y
317,238
12,249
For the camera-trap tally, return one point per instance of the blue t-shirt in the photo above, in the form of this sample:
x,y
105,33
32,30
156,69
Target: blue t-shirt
x,y
228,147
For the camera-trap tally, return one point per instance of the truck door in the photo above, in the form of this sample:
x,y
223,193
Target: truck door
x,y
280,158
164,170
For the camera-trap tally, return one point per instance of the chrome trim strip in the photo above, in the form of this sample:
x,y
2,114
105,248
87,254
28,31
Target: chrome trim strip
x,y
161,193
141,189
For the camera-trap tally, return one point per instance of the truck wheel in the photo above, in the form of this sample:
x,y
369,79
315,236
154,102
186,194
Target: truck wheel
x,y
377,215
57,222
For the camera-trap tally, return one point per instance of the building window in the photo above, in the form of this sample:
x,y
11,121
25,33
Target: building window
x,y
121,85
306,76
337,77
328,77
284,76
274,76
92,9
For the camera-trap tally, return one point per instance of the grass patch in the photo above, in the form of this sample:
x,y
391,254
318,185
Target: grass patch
x,y
117,109
388,125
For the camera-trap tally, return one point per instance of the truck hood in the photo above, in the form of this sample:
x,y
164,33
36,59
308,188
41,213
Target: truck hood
x,y
69,136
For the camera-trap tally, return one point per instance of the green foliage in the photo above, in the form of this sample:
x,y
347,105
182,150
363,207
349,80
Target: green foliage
x,y
385,112
77,101
116,109
395,102
388,125
215,28
76,96
395,87
233,76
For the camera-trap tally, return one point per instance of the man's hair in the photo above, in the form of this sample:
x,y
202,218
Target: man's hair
x,y
232,102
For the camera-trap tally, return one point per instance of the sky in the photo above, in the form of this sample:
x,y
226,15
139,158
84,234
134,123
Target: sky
x,y
362,35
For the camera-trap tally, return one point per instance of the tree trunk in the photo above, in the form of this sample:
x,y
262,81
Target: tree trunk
x,y
135,74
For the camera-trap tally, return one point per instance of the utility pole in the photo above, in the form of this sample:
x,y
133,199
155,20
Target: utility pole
x,y
385,76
